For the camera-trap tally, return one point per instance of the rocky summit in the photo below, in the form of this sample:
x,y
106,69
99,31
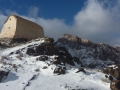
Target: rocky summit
x,y
70,63
90,54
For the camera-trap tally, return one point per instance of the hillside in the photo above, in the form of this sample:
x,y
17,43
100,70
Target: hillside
x,y
71,63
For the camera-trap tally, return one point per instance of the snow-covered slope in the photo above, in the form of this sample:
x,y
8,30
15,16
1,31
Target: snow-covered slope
x,y
26,72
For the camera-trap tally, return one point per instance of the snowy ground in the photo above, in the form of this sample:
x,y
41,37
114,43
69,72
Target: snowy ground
x,y
30,75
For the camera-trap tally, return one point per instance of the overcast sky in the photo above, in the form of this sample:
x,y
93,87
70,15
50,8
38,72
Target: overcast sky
x,y
95,20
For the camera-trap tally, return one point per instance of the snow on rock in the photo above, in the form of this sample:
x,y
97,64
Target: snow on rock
x,y
30,72
91,54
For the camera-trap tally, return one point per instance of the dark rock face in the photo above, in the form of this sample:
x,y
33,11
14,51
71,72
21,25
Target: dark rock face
x,y
42,58
111,71
75,59
106,76
115,85
2,74
47,49
12,41
116,73
30,51
111,78
74,41
63,56
64,59
18,40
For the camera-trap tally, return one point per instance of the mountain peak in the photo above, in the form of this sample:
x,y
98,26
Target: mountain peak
x,y
75,39
87,50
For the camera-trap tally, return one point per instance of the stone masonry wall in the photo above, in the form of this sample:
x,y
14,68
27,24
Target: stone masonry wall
x,y
9,28
28,29
17,27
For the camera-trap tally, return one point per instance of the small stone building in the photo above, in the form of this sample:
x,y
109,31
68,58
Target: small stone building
x,y
17,27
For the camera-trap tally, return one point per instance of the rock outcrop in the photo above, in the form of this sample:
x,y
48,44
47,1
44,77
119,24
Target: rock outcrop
x,y
49,48
85,49
113,71
8,42
117,48
59,70
115,85
3,74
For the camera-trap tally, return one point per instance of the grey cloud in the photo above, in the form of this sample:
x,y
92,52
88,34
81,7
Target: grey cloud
x,y
97,23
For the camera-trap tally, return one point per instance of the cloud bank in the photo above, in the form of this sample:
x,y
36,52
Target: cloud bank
x,y
98,21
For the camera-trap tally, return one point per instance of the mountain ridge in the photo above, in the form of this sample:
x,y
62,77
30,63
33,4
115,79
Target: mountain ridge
x,y
63,65
103,52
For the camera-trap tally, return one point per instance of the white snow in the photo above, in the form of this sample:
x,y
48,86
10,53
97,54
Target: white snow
x,y
26,78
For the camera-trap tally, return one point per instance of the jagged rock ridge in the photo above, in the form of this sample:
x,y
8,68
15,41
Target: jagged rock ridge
x,y
98,54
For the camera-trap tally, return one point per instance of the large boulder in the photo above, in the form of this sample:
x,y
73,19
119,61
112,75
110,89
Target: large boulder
x,y
105,71
3,74
111,78
117,73
113,71
30,51
115,85
81,70
42,58
47,49
59,70
63,59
